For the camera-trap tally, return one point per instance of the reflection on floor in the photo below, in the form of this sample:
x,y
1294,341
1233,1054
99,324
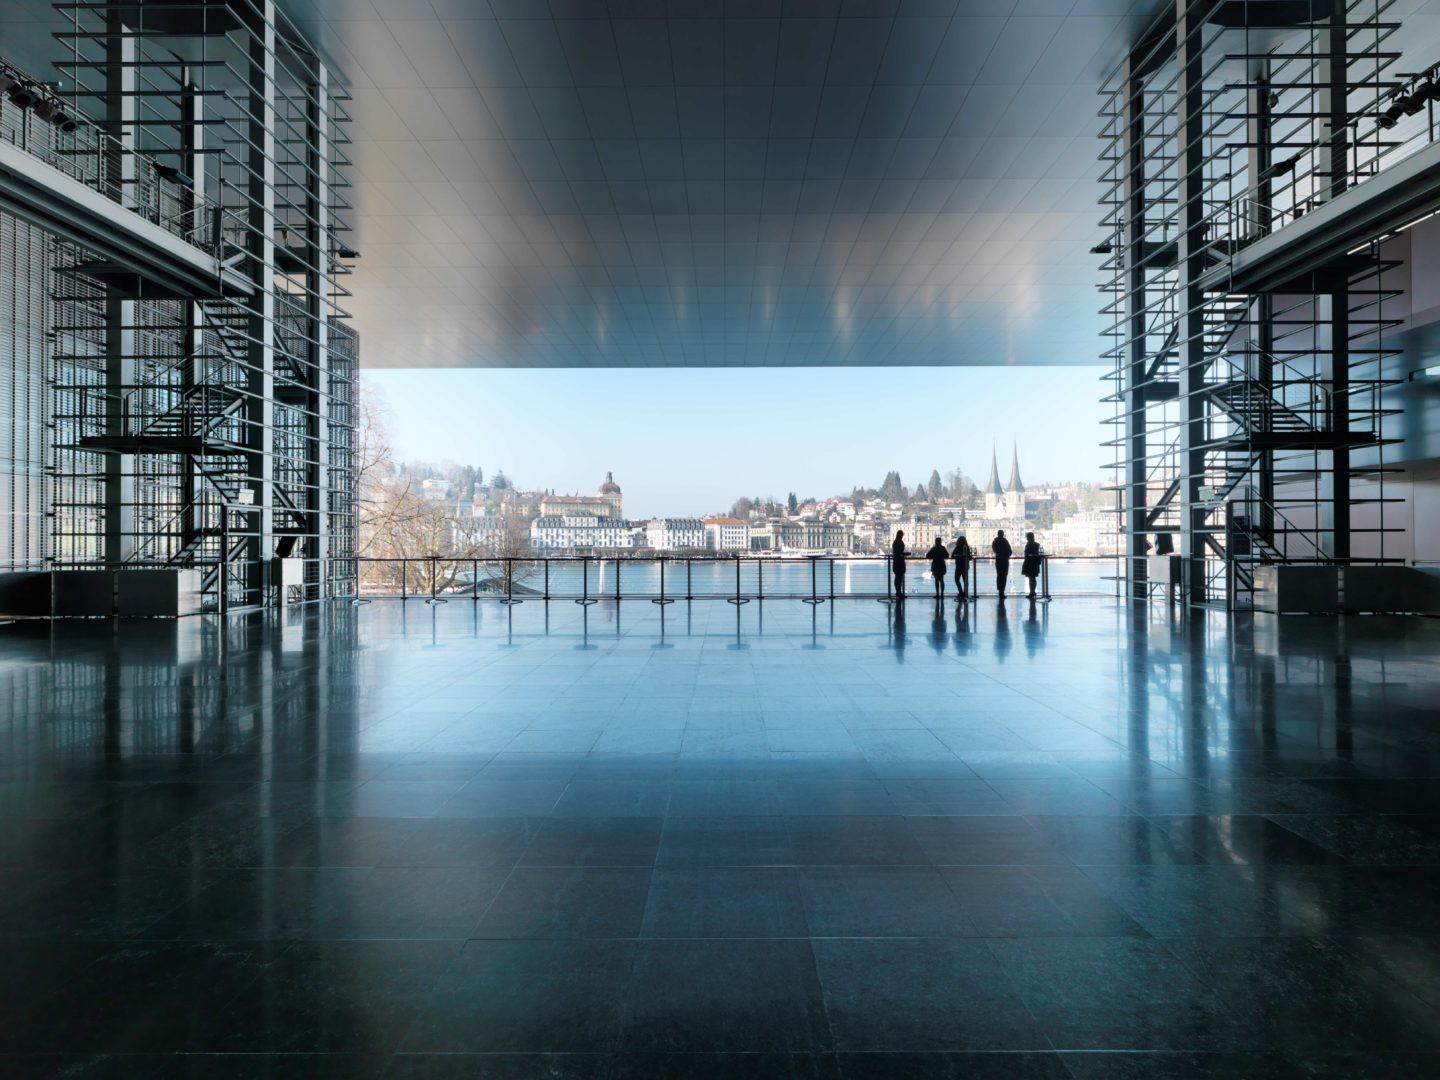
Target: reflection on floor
x,y
701,840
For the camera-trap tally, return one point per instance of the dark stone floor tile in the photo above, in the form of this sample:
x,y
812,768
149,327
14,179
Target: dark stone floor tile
x,y
302,904
1020,1065
632,841
1297,994
485,796
881,901
725,902
194,1067
1113,839
619,797
835,797
944,796
1209,901
1054,795
1243,839
1036,901
853,841
411,902
500,1067
724,995
1381,840
347,996
983,841
98,906
1179,1066
526,996
1118,993
723,797
723,1066
430,842
579,902
725,841
143,997
1385,1065
921,994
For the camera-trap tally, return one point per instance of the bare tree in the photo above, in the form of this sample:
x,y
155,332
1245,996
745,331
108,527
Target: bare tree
x,y
409,542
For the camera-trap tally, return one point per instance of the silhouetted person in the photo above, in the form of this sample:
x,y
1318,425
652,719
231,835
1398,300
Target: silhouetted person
x,y
962,556
1002,551
897,563
1030,564
937,556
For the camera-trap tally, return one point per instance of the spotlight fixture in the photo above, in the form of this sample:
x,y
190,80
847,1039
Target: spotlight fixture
x,y
1102,248
346,253
44,108
22,94
64,121
1413,102
7,81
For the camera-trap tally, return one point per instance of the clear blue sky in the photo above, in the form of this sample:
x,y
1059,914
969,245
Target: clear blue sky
x,y
690,441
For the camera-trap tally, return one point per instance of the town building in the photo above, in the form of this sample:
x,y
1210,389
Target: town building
x,y
674,534
605,503
574,532
727,534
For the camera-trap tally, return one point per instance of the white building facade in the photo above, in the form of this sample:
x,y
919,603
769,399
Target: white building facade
x,y
674,534
727,534
576,531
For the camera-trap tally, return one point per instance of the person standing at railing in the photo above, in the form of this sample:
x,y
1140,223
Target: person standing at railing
x,y
962,556
1001,549
1030,566
937,556
897,563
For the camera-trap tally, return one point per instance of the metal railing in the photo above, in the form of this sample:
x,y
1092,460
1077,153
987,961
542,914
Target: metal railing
x,y
664,579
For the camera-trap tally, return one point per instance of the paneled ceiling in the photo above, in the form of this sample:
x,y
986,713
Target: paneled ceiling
x,y
689,182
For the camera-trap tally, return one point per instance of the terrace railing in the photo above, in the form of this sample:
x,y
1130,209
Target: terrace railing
x,y
739,579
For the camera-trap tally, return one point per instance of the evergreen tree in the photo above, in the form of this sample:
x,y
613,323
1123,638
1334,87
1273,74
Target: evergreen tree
x,y
792,503
892,490
937,488
919,492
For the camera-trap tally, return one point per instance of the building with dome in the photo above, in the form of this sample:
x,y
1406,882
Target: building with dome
x,y
607,502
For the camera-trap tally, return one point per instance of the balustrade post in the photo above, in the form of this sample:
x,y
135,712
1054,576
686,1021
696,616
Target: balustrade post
x,y
662,599
404,579
585,581
737,600
510,583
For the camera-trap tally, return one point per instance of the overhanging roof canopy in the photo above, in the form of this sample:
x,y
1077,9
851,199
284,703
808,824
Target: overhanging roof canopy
x,y
893,182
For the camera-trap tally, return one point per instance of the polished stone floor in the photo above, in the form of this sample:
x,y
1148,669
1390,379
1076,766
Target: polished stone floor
x,y
1072,841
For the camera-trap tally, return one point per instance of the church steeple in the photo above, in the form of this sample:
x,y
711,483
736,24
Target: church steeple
x,y
1015,485
992,486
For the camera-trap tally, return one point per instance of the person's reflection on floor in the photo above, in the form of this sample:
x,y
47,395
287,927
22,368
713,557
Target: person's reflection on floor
x,y
937,626
963,637
897,636
1002,632
1033,631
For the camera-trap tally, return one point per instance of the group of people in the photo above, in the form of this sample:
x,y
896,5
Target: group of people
x,y
962,555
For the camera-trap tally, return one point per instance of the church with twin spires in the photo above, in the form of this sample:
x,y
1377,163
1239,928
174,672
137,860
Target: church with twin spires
x,y
1007,501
